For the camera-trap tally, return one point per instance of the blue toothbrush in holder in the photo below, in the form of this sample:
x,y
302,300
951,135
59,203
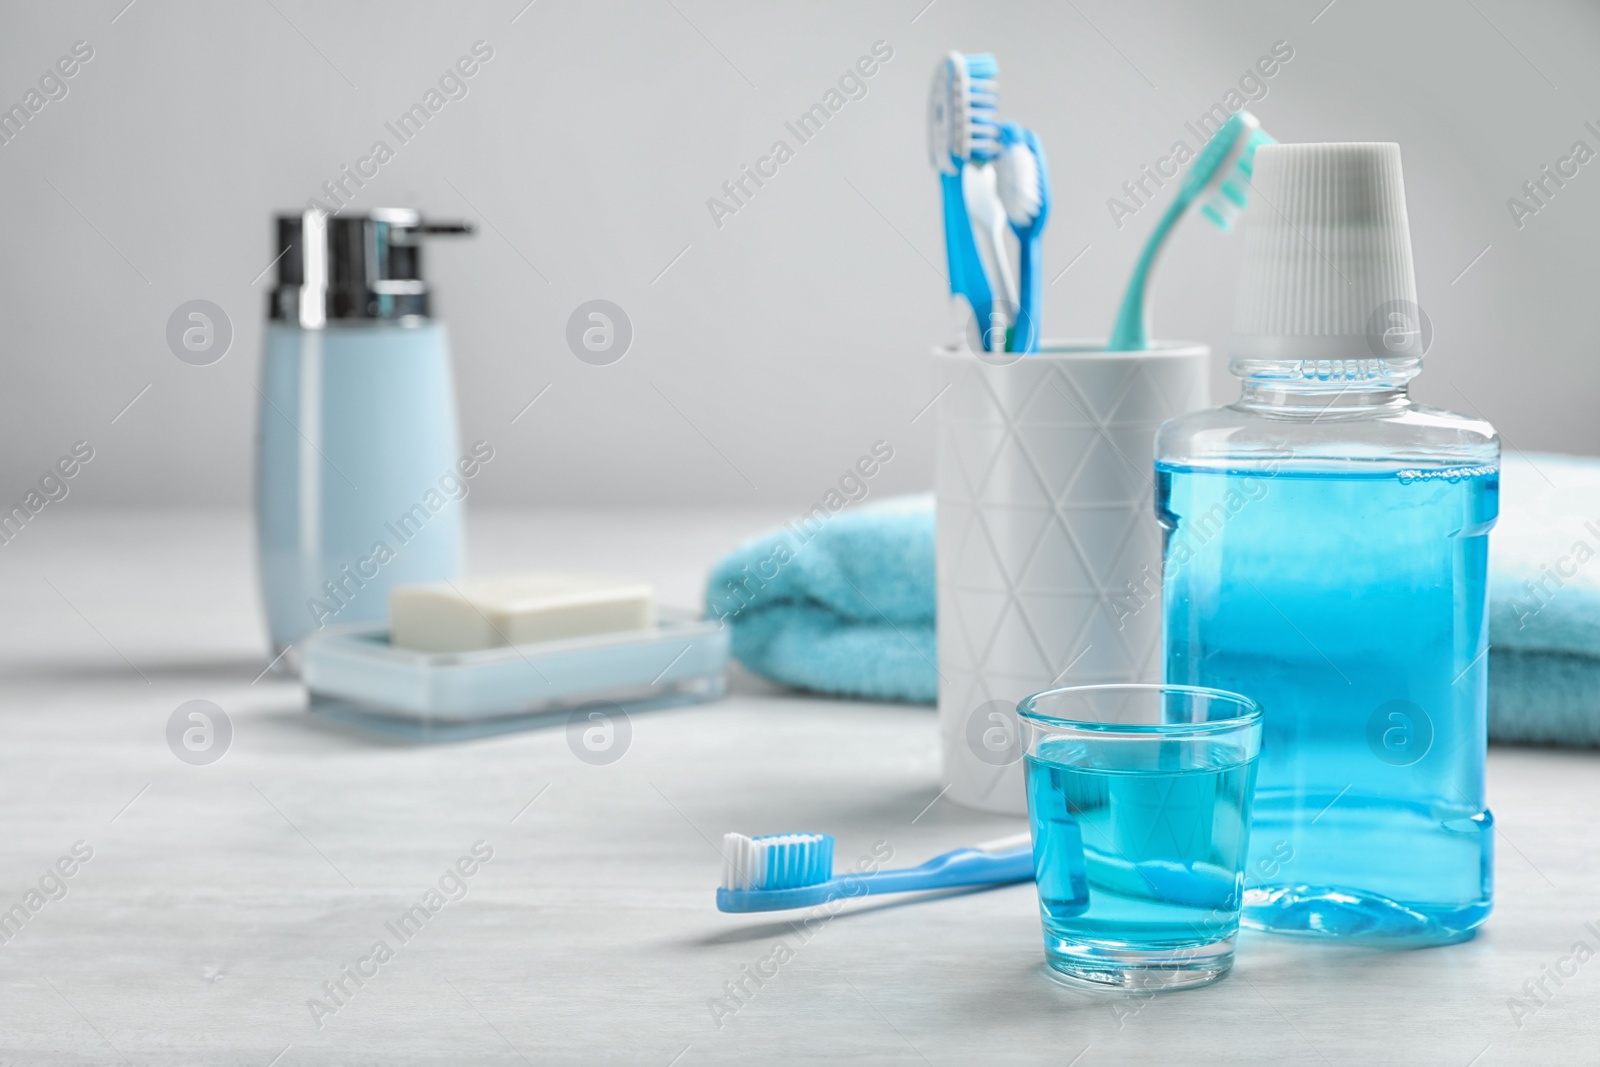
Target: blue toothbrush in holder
x,y
1024,187
962,130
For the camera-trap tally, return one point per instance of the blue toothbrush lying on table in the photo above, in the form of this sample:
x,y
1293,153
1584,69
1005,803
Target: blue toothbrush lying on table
x,y
781,871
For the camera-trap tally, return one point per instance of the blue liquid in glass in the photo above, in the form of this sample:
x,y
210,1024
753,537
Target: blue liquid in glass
x,y
1137,846
1351,606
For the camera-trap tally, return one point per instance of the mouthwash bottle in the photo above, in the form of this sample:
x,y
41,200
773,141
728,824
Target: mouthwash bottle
x,y
1326,548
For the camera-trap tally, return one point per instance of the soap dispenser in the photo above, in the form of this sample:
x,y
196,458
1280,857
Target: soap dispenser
x,y
357,484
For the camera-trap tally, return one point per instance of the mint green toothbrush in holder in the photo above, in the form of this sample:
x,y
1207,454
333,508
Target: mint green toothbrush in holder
x,y
1221,173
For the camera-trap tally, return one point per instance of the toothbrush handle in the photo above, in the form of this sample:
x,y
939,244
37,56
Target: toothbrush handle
x,y
967,277
1025,335
963,867
1130,334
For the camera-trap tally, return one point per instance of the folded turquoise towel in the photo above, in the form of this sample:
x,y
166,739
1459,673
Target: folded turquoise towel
x,y
839,603
845,604
1544,602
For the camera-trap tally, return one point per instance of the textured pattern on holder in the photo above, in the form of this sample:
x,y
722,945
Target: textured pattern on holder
x,y
1048,550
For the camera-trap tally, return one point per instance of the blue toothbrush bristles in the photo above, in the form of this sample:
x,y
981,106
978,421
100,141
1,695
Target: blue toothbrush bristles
x,y
776,861
1231,196
977,105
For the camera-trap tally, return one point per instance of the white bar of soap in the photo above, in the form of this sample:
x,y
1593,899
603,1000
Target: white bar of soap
x,y
515,609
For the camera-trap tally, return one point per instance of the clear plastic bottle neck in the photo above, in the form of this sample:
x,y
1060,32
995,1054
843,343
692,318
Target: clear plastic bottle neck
x,y
1325,388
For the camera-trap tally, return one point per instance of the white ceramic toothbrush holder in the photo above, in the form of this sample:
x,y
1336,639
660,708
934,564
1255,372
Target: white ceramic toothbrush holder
x,y
1049,552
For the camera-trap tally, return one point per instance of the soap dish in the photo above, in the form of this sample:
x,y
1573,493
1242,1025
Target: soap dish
x,y
357,678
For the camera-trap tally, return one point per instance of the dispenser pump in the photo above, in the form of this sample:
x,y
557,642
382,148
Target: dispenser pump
x,y
353,268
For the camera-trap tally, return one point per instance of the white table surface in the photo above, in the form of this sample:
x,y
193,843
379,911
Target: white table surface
x,y
220,898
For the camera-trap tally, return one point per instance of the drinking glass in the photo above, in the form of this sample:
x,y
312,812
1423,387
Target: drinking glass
x,y
1139,803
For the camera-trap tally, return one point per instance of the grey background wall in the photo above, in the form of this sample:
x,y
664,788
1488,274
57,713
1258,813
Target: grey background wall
x,y
773,349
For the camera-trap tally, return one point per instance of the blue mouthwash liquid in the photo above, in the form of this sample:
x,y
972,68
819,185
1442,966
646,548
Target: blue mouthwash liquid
x,y
1137,847
1351,606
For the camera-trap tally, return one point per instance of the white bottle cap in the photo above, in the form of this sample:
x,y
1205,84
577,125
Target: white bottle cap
x,y
1327,271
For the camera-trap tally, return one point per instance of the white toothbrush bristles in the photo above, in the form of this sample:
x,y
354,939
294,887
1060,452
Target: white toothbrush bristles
x,y
977,99
963,103
779,861
1017,174
1230,195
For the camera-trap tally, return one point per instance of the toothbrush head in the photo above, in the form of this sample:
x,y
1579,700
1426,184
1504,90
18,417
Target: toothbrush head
x,y
1022,179
1220,179
962,105
776,861
980,185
